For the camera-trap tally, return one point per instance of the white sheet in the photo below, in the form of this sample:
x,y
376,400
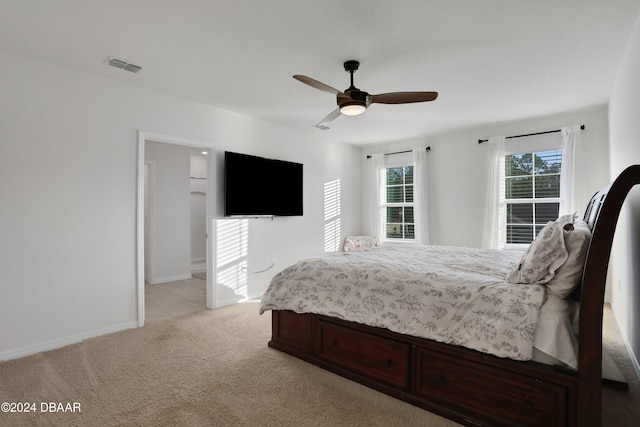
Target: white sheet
x,y
450,294
554,334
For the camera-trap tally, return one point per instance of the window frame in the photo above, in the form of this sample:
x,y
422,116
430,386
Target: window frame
x,y
396,161
534,144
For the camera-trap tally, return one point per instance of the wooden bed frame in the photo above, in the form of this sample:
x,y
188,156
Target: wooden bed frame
x,y
464,385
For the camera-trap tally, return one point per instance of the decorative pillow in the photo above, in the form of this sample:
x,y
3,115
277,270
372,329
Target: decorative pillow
x,y
544,256
569,275
356,243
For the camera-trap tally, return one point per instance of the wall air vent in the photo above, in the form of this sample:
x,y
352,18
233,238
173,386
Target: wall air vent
x,y
123,65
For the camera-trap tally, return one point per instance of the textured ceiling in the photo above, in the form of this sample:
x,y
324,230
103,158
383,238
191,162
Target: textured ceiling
x,y
491,60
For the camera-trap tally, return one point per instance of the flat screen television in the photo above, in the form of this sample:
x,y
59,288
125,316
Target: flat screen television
x,y
257,186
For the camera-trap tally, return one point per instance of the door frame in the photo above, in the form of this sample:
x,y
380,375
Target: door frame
x,y
144,136
148,255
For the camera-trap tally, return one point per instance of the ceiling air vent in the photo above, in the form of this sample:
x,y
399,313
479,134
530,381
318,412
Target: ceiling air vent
x,y
132,68
123,65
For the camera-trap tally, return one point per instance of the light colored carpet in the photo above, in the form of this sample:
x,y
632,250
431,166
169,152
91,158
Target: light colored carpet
x,y
213,368
209,368
619,408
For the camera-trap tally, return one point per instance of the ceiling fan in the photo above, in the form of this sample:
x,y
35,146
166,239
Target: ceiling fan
x,y
354,101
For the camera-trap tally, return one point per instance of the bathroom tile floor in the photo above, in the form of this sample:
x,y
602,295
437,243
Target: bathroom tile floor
x,y
174,298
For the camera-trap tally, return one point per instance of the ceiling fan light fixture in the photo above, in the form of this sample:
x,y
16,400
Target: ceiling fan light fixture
x,y
352,108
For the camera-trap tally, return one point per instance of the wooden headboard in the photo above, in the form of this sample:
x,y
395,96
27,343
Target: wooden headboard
x,y
593,209
602,216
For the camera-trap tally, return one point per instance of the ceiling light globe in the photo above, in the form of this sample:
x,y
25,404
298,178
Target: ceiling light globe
x,y
352,109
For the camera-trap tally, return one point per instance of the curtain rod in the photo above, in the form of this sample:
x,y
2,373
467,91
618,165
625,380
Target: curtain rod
x,y
480,141
399,152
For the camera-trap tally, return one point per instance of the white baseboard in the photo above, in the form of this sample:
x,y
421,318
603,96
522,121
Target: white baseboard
x,y
62,342
634,360
167,279
632,356
199,265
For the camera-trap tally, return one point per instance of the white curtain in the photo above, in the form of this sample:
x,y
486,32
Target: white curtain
x,y
494,213
377,166
571,181
420,195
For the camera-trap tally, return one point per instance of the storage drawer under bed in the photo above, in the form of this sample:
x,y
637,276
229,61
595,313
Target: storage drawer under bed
x,y
495,395
375,357
455,383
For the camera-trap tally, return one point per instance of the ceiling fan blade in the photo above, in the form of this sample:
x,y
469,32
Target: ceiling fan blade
x,y
332,115
402,97
316,84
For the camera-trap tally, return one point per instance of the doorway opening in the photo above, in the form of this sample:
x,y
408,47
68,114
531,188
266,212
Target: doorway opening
x,y
167,206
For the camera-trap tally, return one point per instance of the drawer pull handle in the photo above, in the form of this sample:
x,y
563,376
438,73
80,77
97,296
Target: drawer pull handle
x,y
439,378
334,343
387,363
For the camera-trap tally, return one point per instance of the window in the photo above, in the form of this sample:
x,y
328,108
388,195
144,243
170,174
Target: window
x,y
398,207
532,193
332,232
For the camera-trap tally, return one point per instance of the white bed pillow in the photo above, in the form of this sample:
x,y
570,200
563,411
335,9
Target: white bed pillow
x,y
544,255
569,275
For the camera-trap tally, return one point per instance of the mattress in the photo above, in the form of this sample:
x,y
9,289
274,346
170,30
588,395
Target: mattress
x,y
454,295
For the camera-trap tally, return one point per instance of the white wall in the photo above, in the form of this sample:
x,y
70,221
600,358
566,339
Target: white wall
x,y
198,213
170,205
284,240
624,114
458,171
68,176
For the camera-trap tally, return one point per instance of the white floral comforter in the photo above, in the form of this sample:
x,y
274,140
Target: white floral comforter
x,y
449,294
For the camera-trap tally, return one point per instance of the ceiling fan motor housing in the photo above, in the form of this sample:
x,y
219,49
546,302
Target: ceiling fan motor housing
x,y
355,103
355,94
